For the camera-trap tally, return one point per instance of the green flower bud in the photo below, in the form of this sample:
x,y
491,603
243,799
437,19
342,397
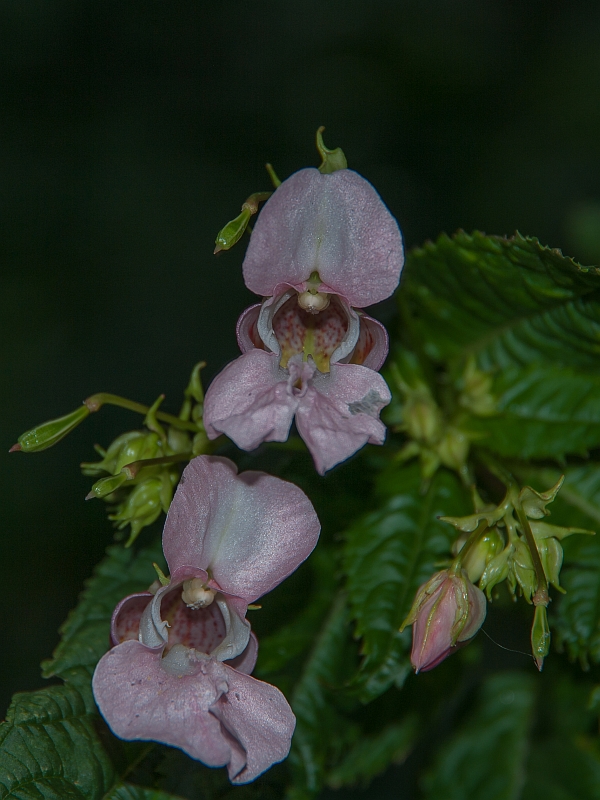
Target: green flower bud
x,y
480,555
178,440
200,445
524,572
534,503
141,507
332,160
551,555
50,433
127,448
106,486
476,396
540,636
453,448
231,233
496,571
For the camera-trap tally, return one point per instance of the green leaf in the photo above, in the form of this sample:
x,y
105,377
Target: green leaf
x,y
486,758
322,732
508,301
49,748
531,318
85,634
127,791
544,411
576,617
387,555
371,755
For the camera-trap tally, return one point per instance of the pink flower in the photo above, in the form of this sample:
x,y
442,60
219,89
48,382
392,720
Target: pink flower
x,y
323,245
448,611
179,669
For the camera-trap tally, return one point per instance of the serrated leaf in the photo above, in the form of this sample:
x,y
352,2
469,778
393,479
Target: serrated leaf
x,y
486,758
322,732
387,555
544,411
127,791
505,300
49,748
371,755
85,634
531,318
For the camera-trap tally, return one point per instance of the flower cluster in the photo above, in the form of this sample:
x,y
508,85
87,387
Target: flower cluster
x,y
179,669
323,247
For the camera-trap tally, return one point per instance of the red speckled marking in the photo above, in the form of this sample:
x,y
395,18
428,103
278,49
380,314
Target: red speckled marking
x,y
128,620
318,335
364,345
203,629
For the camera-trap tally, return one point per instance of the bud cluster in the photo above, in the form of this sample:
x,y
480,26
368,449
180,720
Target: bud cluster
x,y
507,542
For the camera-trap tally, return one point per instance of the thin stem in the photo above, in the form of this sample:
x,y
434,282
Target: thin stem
x,y
541,597
468,545
131,470
96,401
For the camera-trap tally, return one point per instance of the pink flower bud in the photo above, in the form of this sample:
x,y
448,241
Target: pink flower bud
x,y
448,610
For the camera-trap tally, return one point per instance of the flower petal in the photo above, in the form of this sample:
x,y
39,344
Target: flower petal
x,y
259,717
249,402
336,225
140,700
340,413
373,344
251,530
125,622
246,661
246,331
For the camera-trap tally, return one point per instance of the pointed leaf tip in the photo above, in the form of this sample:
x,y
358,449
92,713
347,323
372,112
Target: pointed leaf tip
x,y
15,448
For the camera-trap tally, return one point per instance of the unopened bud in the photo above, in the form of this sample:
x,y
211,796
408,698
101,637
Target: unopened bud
x,y
106,486
524,571
480,554
196,594
496,571
125,449
141,507
540,636
448,610
453,448
313,302
551,555
233,231
50,433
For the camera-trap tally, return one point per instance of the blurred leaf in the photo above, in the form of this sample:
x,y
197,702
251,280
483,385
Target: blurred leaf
x,y
49,748
85,633
486,758
127,791
545,411
508,301
322,732
388,554
531,317
373,754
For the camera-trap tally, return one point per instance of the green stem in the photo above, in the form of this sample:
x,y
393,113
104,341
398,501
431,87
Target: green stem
x,y
96,401
468,545
131,470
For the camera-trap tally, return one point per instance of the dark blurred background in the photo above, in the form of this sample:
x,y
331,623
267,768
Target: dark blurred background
x,y
131,132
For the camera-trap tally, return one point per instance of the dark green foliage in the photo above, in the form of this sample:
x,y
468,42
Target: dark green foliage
x,y
485,759
387,555
127,791
49,748
531,318
85,634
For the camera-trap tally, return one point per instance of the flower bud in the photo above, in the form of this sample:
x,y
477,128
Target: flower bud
x,y
480,555
143,505
126,448
540,636
50,433
496,571
551,555
448,610
523,569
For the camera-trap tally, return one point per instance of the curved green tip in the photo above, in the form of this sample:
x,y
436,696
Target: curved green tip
x,y
332,160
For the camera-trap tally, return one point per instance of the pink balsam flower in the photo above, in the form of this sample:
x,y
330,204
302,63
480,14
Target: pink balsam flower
x,y
448,611
179,669
324,246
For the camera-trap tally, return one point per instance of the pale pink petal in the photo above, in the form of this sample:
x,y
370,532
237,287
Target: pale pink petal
x,y
125,622
141,700
373,344
336,225
249,402
259,717
250,530
477,612
246,661
246,330
340,413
